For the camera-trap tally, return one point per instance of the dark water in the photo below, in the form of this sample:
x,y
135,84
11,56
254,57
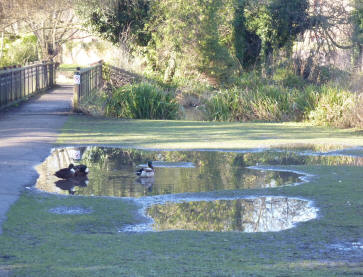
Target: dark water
x,y
262,214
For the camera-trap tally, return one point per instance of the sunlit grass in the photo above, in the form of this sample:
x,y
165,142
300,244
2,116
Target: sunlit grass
x,y
200,135
38,243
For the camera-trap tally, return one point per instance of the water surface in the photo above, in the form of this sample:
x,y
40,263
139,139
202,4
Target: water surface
x,y
164,199
112,172
261,214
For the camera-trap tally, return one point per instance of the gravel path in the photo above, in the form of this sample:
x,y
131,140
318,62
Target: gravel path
x,y
27,134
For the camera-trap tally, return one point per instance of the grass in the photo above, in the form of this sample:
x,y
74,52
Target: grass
x,y
142,101
38,243
68,67
81,130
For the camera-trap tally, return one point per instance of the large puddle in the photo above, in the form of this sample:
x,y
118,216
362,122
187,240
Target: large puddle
x,y
262,214
112,172
173,199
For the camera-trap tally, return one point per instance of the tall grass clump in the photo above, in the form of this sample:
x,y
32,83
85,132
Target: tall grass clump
x,y
253,98
337,107
142,101
267,103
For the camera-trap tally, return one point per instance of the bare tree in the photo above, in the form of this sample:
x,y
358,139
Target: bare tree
x,y
53,22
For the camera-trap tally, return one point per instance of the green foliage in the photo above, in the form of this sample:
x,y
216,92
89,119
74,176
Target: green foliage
x,y
287,97
142,101
210,36
275,22
186,39
288,78
327,105
358,21
357,37
19,50
204,39
307,100
247,45
254,98
116,20
334,108
288,19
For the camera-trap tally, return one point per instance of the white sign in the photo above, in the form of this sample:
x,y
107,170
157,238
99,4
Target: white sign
x,y
77,79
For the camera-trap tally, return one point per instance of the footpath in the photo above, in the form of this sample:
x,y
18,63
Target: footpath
x,y
27,134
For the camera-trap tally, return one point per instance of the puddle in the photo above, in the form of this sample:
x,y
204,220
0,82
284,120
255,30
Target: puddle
x,y
112,172
164,198
69,210
259,214
348,246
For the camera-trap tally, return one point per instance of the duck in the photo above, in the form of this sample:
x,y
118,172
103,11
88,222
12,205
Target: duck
x,y
66,173
146,172
81,170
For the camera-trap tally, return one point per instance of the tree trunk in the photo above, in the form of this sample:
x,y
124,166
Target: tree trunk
x,y
2,45
359,61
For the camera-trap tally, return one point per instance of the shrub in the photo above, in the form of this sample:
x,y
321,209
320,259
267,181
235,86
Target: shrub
x,y
288,78
94,104
306,101
142,101
336,107
19,50
253,99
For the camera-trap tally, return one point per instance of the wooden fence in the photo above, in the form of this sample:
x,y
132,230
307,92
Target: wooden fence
x,y
118,77
86,80
19,83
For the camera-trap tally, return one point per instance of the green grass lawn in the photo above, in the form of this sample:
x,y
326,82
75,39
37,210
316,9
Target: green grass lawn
x,y
169,134
38,243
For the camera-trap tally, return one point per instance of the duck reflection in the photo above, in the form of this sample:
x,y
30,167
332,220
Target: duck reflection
x,y
70,184
147,183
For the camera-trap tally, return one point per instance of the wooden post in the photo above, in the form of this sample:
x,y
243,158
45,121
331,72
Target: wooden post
x,y
76,89
37,84
51,74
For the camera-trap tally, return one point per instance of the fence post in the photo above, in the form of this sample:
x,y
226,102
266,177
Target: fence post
x,y
37,84
51,68
76,89
45,74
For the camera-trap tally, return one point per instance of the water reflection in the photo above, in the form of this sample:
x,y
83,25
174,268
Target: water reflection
x,y
71,184
263,214
112,170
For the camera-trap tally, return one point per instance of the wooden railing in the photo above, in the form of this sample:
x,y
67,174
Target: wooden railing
x,y
118,77
90,79
19,83
86,80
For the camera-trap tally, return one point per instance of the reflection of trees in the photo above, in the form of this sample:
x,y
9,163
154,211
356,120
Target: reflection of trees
x,y
246,215
112,170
